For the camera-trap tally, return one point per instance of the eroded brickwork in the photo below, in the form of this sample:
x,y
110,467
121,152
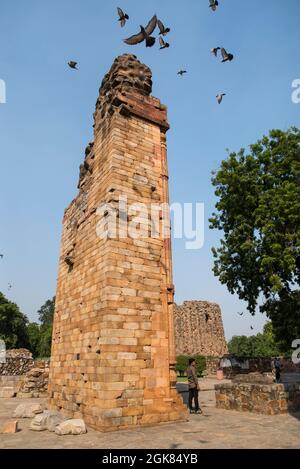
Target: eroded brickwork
x,y
113,348
199,329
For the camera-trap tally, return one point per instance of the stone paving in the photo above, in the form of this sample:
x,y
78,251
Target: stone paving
x,y
214,429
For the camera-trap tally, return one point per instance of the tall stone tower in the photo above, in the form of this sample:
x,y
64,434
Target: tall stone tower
x,y
113,346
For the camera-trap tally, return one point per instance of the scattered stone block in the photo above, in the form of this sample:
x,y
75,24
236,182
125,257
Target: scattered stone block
x,y
10,427
71,427
48,420
39,423
53,420
27,411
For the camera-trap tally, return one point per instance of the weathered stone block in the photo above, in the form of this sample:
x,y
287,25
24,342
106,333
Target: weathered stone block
x,y
9,427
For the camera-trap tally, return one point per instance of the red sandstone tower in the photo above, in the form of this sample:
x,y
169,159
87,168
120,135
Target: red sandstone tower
x,y
113,347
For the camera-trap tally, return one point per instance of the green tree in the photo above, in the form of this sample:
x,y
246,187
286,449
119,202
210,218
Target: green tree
x,y
182,362
13,324
46,314
34,337
45,342
258,210
200,364
260,345
239,345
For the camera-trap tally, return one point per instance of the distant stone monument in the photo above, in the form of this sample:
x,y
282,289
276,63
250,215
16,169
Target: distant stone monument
x,y
199,329
113,346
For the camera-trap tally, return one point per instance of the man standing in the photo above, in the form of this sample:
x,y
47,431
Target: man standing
x,y
277,366
193,387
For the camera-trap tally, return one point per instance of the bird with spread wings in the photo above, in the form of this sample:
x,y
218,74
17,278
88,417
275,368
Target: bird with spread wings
x,y
123,17
144,34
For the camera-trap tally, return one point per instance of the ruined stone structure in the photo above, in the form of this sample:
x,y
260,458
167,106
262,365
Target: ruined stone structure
x,y
199,329
113,347
254,393
16,363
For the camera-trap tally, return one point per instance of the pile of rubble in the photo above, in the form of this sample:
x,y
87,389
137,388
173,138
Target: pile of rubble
x,y
35,382
43,420
17,362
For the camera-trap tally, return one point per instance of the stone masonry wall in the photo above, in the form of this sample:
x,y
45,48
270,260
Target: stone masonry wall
x,y
199,329
17,362
269,399
113,348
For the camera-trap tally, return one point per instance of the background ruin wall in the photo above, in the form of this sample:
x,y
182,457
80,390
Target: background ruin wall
x,y
199,329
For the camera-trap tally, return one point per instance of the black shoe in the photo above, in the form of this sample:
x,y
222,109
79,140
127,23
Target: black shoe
x,y
192,411
199,411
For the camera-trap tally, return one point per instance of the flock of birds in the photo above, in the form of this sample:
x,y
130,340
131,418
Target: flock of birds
x,y
145,35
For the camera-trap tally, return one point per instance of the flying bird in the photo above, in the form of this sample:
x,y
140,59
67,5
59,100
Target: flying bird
x,y
213,4
220,97
240,314
9,286
144,35
226,57
1,255
214,51
163,44
162,28
73,65
123,17
181,72
251,327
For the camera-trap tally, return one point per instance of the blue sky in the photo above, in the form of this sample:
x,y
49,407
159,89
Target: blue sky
x,y
47,120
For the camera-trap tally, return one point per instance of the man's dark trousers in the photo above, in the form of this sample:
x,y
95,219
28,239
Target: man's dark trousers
x,y
193,394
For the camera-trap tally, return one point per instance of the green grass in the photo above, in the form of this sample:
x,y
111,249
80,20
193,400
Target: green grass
x,y
181,379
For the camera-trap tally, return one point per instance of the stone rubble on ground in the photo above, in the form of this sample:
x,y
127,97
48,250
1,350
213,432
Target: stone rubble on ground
x,y
71,427
48,420
27,411
35,382
10,427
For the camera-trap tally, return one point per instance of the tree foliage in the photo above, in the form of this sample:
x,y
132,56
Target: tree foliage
x,y
260,345
13,324
34,336
18,332
258,210
46,314
182,363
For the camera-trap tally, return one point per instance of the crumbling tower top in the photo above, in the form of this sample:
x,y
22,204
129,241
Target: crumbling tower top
x,y
127,88
126,74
